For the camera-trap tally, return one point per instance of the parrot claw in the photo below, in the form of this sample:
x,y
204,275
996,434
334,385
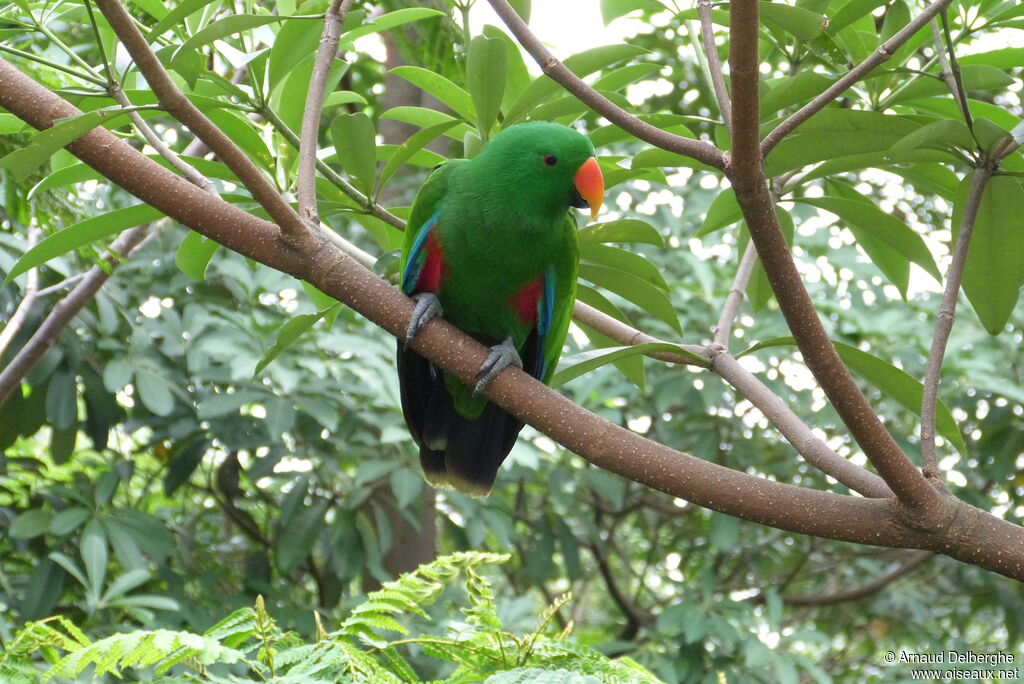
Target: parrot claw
x,y
501,356
427,306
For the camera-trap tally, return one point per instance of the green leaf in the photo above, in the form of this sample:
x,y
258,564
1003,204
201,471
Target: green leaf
x,y
125,583
93,548
183,460
406,485
874,222
69,520
849,12
802,23
944,134
440,87
574,366
154,392
31,523
622,230
183,9
411,146
888,379
42,590
22,162
833,133
355,146
62,400
628,286
81,234
724,531
582,64
486,65
975,77
994,272
11,124
759,290
389,21
291,331
194,254
296,539
613,9
724,211
791,90
623,260
624,76
226,26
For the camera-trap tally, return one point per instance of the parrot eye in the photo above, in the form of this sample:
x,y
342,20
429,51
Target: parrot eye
x,y
550,159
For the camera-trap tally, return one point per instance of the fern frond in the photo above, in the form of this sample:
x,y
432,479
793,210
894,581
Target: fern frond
x,y
412,592
161,647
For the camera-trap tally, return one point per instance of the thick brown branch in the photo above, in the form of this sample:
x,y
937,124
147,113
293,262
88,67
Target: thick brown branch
x,y
957,529
179,106
747,174
697,149
881,54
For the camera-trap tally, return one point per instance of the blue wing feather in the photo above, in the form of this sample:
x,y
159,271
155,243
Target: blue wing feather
x,y
414,261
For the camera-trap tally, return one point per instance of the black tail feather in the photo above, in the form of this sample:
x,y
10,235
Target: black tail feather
x,y
458,452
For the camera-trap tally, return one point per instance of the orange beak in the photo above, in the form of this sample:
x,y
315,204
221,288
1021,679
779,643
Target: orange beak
x,y
590,185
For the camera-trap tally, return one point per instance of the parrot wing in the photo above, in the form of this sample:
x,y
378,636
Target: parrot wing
x,y
420,227
556,303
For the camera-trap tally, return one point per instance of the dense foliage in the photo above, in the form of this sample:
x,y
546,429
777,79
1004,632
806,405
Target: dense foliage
x,y
209,432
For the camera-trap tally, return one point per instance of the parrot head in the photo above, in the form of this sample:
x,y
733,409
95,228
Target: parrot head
x,y
546,165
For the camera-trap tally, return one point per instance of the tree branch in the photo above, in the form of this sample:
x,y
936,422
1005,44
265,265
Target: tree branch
x,y
950,72
65,310
881,54
325,54
746,171
179,106
707,34
697,149
956,529
32,293
912,562
733,300
944,324
796,432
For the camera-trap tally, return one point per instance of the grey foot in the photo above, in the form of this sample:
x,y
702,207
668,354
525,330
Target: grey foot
x,y
501,356
427,306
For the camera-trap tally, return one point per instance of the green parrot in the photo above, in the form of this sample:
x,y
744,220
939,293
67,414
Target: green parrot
x,y
491,245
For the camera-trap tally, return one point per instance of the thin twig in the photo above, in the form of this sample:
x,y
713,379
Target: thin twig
x,y
789,425
365,203
293,230
944,325
17,319
912,562
325,54
62,285
881,54
810,447
697,149
707,34
946,73
734,299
